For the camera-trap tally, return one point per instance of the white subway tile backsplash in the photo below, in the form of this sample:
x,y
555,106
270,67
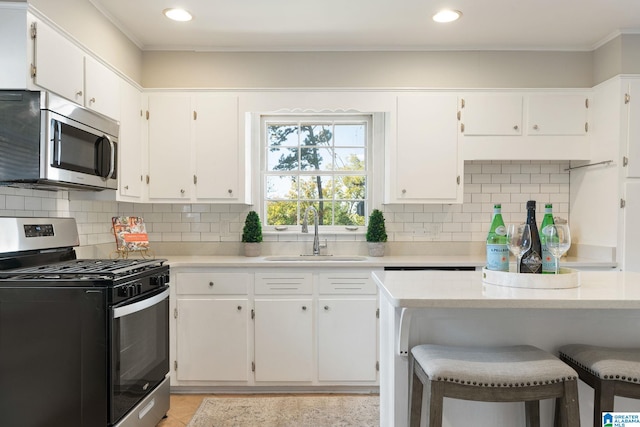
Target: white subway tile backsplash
x,y
510,183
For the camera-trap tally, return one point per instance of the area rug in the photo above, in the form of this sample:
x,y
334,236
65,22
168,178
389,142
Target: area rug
x,y
288,411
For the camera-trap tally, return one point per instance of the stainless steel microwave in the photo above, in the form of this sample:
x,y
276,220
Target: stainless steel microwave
x,y
48,142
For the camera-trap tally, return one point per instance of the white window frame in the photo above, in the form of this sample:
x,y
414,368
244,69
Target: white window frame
x,y
370,196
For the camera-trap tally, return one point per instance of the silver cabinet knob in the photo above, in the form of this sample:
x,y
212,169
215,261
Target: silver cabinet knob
x,y
92,100
79,93
126,187
181,191
535,127
515,127
326,307
211,284
304,308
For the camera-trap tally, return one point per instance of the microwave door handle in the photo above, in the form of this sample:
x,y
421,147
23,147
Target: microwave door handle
x,y
112,161
57,143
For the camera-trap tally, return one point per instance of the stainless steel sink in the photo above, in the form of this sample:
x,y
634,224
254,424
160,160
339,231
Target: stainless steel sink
x,y
289,258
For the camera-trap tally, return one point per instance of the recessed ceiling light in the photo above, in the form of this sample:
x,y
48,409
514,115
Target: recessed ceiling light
x,y
447,15
177,14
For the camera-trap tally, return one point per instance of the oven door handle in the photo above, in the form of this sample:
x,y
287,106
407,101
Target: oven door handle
x,y
140,305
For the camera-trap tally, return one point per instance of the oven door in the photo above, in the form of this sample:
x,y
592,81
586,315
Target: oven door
x,y
139,350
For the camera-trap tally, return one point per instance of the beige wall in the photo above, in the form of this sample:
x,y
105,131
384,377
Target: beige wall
x,y
618,56
85,23
460,69
631,54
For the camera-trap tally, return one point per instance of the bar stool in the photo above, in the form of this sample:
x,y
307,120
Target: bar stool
x,y
519,373
609,371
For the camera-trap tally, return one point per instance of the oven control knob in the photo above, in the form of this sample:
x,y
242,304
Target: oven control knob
x,y
161,280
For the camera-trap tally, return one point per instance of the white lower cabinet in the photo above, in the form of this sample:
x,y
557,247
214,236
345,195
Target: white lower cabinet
x,y
212,339
258,328
347,327
212,327
283,326
347,339
283,339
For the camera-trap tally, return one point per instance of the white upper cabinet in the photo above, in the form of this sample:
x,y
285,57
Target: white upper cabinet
x,y
131,157
194,150
102,88
491,114
58,64
536,125
14,71
557,114
631,147
36,55
170,177
217,148
425,165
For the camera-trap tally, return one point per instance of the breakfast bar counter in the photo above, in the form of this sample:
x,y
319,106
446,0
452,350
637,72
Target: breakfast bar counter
x,y
458,308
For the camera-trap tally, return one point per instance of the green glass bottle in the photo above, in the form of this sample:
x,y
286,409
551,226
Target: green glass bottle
x,y
548,261
497,248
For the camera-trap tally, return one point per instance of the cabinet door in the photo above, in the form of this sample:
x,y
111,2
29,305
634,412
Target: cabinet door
x,y
557,114
347,339
170,175
284,339
59,64
102,88
633,132
631,231
130,146
212,337
427,165
491,114
215,138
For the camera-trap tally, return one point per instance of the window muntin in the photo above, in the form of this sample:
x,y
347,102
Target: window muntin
x,y
319,161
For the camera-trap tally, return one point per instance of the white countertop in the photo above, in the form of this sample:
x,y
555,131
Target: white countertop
x,y
465,289
367,262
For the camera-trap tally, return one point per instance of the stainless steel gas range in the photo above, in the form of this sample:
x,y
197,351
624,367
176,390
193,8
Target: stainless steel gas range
x,y
83,343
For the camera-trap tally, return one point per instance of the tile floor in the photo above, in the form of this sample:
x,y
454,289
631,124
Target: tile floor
x,y
183,407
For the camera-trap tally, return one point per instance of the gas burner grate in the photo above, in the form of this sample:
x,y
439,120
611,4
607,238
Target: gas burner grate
x,y
85,267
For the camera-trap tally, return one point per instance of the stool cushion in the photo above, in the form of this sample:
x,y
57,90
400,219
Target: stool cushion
x,y
607,363
510,366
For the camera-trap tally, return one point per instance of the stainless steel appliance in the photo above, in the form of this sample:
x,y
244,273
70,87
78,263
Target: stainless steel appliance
x,y
48,142
83,343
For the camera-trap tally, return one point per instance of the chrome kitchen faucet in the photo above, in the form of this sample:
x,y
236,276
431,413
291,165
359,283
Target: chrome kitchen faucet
x,y
305,228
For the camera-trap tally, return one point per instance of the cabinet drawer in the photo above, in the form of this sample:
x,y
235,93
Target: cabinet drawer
x,y
347,283
212,283
279,283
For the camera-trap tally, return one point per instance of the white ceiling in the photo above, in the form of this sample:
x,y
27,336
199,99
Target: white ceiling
x,y
314,25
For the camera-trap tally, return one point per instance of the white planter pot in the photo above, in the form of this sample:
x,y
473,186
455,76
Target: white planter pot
x,y
376,248
251,249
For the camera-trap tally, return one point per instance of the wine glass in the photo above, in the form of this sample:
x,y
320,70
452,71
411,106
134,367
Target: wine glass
x,y
558,241
519,241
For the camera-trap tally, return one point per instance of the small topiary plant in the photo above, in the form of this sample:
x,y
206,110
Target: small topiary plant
x,y
376,231
252,231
